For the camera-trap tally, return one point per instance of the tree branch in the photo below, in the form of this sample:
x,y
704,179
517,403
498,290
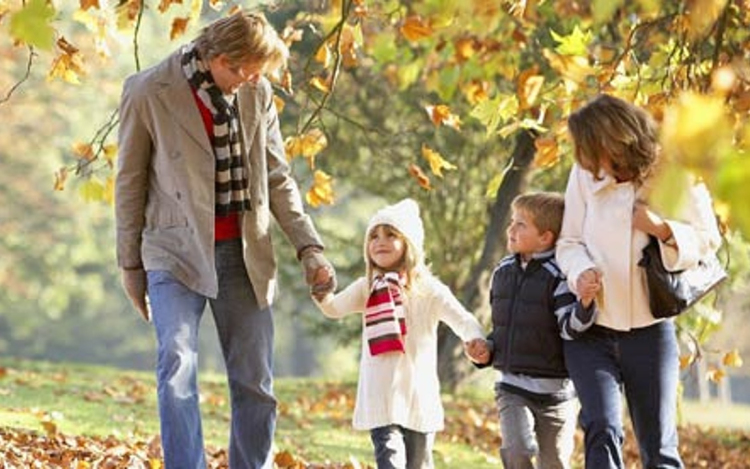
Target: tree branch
x,y
25,77
337,30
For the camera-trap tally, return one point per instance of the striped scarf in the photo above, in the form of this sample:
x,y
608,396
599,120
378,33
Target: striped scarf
x,y
231,178
385,320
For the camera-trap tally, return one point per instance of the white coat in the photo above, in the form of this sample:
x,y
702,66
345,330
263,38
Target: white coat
x,y
597,232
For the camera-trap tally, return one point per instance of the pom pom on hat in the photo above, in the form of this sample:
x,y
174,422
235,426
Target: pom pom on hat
x,y
404,216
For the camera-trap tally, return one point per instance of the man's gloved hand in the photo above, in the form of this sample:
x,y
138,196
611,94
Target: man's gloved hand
x,y
319,273
134,283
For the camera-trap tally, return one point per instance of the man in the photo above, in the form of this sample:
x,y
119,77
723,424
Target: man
x,y
201,170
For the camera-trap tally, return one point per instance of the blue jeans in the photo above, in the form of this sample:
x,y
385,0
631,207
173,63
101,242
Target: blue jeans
x,y
535,431
397,447
246,336
645,363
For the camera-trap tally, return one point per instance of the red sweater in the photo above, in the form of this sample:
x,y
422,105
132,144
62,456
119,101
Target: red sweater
x,y
226,227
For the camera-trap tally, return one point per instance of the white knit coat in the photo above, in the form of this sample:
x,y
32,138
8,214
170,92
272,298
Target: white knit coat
x,y
403,388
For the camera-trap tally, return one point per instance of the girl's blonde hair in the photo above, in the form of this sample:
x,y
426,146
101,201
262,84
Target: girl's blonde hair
x,y
609,127
411,265
243,37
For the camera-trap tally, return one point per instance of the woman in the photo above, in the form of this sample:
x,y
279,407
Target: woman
x,y
606,224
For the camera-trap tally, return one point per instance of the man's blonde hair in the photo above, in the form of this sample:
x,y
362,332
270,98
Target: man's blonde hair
x,y
243,37
544,208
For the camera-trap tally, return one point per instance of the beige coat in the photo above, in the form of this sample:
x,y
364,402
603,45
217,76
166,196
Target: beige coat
x,y
164,189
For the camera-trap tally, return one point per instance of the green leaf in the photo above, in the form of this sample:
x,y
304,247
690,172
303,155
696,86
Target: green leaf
x,y
493,112
604,9
31,24
575,43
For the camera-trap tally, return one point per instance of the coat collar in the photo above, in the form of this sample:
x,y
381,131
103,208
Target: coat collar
x,y
174,93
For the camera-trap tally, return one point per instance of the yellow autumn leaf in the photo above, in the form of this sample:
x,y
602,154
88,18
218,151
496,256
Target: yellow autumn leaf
x,y
179,26
307,146
324,55
49,420
280,104
320,84
108,195
196,7
476,91
732,358
415,28
436,161
547,152
165,4
686,360
68,65
61,176
441,114
127,12
92,190
83,150
529,87
110,153
574,68
465,48
86,4
321,191
715,375
421,178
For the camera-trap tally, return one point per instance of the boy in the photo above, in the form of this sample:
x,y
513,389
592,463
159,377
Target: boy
x,y
531,308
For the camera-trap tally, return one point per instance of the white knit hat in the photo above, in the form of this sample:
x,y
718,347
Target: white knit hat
x,y
404,216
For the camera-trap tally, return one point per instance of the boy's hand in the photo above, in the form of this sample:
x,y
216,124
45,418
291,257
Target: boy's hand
x,y
478,351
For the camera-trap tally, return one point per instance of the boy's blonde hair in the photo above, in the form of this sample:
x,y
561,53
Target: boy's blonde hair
x,y
544,208
613,128
243,37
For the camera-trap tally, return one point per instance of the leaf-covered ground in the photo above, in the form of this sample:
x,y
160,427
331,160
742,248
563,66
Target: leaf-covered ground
x,y
37,406
23,448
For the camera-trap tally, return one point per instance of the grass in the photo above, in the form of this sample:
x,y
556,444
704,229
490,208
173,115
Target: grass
x,y
314,414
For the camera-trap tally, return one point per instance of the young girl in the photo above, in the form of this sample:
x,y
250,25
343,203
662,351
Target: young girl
x,y
605,227
401,302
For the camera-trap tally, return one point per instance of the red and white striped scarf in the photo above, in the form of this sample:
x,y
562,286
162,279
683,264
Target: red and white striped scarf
x,y
385,319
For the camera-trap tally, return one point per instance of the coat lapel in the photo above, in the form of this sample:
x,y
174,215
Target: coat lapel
x,y
250,103
175,95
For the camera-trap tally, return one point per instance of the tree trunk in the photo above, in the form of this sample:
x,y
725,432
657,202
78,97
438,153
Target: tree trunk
x,y
453,367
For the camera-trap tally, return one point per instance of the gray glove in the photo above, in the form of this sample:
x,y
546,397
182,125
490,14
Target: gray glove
x,y
134,283
319,273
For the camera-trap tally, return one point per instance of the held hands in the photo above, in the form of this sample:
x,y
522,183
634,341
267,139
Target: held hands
x,y
319,273
478,351
134,284
588,285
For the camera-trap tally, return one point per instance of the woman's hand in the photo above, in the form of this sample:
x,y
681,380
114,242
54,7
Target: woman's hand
x,y
648,221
